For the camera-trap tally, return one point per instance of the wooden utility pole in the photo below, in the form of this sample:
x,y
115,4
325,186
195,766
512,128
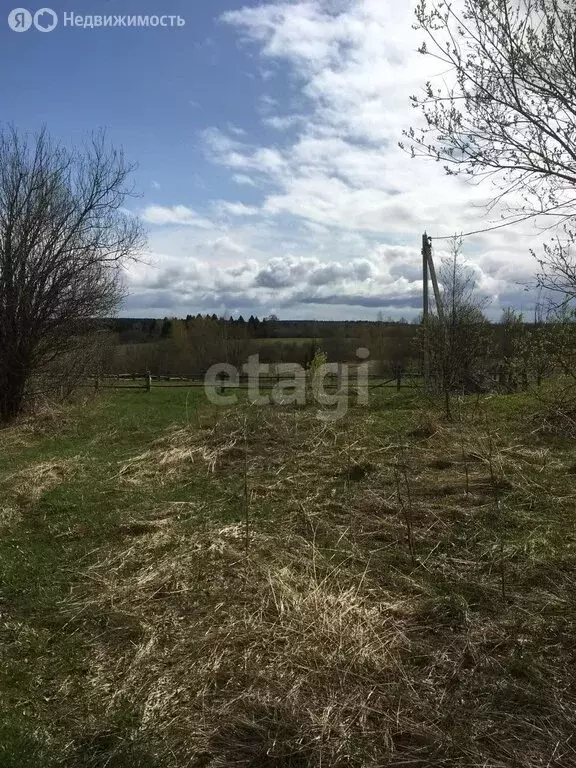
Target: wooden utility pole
x,y
429,271
426,247
425,261
437,297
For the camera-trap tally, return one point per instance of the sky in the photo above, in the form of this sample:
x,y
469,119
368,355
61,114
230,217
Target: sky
x,y
265,134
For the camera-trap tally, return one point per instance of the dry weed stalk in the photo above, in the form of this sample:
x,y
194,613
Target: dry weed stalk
x,y
495,485
406,509
246,490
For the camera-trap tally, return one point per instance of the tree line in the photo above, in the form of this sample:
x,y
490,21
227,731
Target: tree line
x,y
141,330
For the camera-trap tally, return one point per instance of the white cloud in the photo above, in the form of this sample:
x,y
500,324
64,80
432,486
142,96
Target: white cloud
x,y
283,281
226,245
243,180
218,142
236,130
357,66
283,122
179,214
237,209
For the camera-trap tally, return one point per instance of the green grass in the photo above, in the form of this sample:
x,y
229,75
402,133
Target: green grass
x,y
41,556
183,585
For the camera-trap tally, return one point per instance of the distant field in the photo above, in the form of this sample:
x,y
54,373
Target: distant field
x,y
183,585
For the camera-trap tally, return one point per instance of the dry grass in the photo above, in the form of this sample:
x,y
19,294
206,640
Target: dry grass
x,y
171,455
8,516
28,484
320,637
288,653
46,418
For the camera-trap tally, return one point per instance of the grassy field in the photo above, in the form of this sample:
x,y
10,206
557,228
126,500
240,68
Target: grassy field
x,y
187,586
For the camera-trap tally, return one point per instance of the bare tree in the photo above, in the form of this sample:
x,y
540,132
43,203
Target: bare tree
x,y
510,345
64,238
458,344
83,364
506,107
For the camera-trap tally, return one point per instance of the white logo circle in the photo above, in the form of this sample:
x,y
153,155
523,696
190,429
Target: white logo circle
x,y
20,20
45,20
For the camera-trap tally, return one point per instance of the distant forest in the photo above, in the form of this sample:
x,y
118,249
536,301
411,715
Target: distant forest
x,y
191,345
142,330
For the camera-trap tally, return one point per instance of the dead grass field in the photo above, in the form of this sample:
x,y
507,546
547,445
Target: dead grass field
x,y
254,587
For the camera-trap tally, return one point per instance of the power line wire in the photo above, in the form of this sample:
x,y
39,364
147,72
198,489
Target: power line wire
x,y
487,229
547,212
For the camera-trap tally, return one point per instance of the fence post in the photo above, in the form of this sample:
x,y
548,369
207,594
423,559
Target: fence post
x,y
148,381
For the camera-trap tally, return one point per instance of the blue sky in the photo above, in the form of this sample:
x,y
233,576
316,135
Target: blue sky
x,y
266,141
153,89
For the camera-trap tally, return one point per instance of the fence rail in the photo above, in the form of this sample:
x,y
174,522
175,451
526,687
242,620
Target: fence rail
x,y
138,381
410,380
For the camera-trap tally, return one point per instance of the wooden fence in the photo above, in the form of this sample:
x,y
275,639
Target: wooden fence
x,y
127,381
